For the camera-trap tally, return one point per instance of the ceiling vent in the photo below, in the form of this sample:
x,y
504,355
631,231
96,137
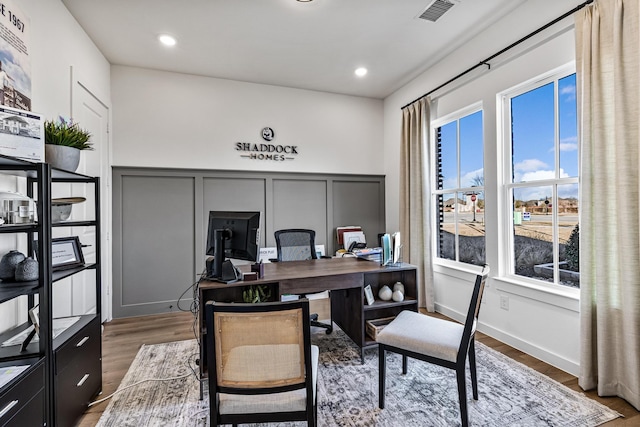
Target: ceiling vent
x,y
436,10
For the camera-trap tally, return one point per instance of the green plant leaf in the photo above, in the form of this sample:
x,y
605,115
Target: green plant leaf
x,y
67,133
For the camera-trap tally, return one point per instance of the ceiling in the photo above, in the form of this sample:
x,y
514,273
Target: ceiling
x,y
315,45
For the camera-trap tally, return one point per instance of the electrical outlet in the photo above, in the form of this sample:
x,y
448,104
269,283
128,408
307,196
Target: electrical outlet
x,y
504,302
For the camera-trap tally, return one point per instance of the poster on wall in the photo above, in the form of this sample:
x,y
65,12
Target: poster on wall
x,y
21,134
15,64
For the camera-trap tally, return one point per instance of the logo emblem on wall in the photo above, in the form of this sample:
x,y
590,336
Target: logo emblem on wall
x,y
268,134
267,151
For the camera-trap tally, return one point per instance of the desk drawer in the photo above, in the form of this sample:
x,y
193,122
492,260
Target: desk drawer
x,y
84,344
22,399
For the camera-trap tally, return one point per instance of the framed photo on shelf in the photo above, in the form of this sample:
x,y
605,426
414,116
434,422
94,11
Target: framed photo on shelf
x,y
369,295
66,252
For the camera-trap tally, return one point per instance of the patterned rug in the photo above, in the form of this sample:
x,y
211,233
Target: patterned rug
x,y
510,394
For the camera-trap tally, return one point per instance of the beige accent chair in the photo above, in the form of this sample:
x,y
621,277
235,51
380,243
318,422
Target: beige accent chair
x,y
436,341
262,366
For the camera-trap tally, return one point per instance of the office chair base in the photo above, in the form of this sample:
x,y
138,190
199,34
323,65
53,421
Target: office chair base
x,y
316,323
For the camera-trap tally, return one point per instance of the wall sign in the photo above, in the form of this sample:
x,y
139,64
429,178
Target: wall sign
x,y
272,152
15,64
268,134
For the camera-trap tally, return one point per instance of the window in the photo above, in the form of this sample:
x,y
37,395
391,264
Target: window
x,y
459,187
541,149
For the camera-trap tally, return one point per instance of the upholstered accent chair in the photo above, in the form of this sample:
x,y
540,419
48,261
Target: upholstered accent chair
x,y
261,365
438,341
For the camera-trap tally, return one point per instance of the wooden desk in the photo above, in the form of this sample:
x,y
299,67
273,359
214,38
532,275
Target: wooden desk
x,y
344,277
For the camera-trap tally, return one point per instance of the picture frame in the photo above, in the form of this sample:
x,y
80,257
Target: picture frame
x,y
66,252
368,293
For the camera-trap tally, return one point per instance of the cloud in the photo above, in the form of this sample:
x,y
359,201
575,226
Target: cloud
x,y
569,92
569,144
469,179
529,165
537,175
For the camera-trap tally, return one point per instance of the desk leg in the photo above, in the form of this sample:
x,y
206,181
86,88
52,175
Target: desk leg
x,y
347,312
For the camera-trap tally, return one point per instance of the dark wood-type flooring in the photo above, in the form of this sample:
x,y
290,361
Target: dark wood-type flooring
x,y
122,338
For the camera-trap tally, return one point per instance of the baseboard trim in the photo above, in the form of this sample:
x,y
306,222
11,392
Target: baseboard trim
x,y
517,343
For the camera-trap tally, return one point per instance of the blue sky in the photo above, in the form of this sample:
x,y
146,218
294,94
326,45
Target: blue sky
x,y
533,141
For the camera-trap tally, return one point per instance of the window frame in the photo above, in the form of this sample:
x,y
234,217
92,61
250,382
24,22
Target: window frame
x,y
507,186
434,125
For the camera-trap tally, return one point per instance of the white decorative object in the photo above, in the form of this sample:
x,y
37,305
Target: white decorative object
x,y
398,286
385,293
398,296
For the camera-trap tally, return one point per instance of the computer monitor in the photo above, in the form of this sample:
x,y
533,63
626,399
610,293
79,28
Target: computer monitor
x,y
231,235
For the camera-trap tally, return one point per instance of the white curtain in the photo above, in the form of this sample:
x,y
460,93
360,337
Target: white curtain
x,y
415,197
607,62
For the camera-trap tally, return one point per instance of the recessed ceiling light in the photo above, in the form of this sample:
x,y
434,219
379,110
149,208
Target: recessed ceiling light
x,y
361,72
305,1
167,40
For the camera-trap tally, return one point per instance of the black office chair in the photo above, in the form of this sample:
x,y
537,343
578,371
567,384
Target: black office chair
x,y
298,244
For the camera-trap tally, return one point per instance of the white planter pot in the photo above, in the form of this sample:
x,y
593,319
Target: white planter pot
x,y
62,157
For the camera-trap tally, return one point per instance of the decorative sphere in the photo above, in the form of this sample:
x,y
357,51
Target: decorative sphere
x,y
398,286
385,293
8,264
27,270
398,296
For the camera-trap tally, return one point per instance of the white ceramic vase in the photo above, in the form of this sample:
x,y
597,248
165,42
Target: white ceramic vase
x,y
398,296
385,293
398,286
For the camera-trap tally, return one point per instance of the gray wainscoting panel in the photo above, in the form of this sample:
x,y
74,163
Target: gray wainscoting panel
x,y
160,219
157,243
233,194
360,203
300,204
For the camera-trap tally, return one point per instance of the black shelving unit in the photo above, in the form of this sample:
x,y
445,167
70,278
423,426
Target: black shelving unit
x,y
63,373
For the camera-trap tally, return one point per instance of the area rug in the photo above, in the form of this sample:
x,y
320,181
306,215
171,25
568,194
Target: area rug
x,y
510,394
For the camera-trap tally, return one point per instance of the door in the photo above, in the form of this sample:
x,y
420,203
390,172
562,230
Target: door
x,y
93,115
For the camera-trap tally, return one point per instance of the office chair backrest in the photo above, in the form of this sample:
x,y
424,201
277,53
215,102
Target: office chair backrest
x,y
473,312
259,346
296,244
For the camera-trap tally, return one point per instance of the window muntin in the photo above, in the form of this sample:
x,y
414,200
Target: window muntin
x,y
459,189
542,148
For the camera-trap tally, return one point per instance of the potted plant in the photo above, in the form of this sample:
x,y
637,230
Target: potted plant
x,y
63,141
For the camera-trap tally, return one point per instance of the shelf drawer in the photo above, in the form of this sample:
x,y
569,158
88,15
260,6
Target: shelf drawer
x,y
31,414
24,401
75,387
84,344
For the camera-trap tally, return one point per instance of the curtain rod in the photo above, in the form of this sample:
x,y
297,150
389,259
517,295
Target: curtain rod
x,y
512,45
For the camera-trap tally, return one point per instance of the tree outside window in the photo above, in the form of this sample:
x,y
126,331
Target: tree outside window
x,y
542,147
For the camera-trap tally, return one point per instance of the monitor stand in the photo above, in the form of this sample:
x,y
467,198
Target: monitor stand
x,y
228,273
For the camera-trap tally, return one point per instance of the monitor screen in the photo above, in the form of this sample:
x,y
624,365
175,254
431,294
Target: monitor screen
x,y
239,233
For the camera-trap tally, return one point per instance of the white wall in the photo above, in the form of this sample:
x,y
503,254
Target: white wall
x,y
163,119
57,43
542,324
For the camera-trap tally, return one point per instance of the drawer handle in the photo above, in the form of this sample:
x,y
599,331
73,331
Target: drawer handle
x,y
86,376
82,341
8,408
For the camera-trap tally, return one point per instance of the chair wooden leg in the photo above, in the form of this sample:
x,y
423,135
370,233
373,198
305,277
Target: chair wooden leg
x,y
382,366
472,368
462,395
404,364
